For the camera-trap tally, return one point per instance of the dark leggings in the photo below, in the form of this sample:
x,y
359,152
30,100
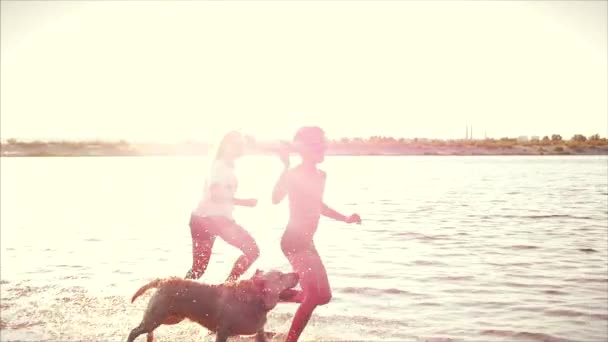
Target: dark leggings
x,y
204,230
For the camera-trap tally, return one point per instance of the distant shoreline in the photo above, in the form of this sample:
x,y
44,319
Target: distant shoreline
x,y
374,146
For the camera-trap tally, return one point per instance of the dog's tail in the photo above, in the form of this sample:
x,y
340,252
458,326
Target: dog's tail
x,y
153,284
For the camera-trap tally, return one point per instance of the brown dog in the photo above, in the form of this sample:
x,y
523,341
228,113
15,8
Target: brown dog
x,y
228,309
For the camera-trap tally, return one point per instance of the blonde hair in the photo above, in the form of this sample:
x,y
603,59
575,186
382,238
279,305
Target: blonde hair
x,y
232,137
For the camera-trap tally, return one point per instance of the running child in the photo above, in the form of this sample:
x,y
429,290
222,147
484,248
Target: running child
x,y
213,215
304,185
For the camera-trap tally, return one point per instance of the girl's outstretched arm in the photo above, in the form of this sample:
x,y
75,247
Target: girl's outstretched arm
x,y
332,214
220,195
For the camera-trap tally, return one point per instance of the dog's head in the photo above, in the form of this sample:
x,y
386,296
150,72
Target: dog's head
x,y
272,283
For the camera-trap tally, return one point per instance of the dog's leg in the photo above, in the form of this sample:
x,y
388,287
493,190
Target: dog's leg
x,y
154,316
136,332
221,336
260,336
144,327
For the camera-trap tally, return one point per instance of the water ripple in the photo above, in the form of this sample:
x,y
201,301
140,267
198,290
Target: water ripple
x,y
541,337
450,249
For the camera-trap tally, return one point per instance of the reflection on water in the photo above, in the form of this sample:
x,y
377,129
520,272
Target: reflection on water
x,y
451,248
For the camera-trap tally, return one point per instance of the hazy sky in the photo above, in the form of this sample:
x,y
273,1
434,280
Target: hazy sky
x,y
191,70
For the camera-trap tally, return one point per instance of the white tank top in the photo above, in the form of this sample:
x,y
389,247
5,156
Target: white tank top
x,y
223,176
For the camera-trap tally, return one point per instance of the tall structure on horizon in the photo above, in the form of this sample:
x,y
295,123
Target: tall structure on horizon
x,y
468,135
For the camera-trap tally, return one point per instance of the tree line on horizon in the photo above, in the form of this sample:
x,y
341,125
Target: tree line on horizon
x,y
553,144
374,140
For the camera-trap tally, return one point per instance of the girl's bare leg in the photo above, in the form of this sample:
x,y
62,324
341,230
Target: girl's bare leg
x,y
315,289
